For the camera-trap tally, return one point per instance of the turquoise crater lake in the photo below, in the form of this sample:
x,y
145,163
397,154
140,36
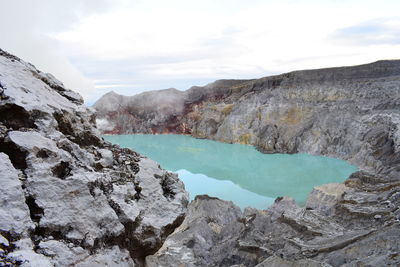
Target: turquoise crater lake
x,y
237,172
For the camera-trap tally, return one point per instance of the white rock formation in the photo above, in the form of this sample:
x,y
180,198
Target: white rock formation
x,y
68,197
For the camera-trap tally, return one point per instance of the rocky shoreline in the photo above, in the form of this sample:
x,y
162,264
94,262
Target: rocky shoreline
x,y
70,198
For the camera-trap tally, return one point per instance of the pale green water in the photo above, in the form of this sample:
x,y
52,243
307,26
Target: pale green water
x,y
237,172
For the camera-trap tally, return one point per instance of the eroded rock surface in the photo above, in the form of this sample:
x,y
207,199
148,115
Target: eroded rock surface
x,y
68,198
324,197
361,229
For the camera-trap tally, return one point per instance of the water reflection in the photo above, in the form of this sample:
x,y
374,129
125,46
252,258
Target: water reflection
x,y
265,175
199,184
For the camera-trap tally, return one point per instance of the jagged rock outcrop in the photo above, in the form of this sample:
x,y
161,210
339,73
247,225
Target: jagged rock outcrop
x,y
361,229
68,198
324,197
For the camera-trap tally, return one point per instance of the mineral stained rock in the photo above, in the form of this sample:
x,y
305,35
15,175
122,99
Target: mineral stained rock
x,y
352,113
67,197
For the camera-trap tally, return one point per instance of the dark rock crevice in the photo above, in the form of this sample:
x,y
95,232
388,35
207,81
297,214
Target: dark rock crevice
x,y
138,191
8,55
62,170
83,137
87,138
16,154
167,185
60,234
11,237
15,117
35,211
106,188
129,240
45,153
64,124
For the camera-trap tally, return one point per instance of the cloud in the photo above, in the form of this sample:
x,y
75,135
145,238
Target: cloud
x,y
383,31
25,31
132,46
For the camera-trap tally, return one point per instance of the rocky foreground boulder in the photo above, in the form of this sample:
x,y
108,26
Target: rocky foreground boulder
x,y
68,198
362,230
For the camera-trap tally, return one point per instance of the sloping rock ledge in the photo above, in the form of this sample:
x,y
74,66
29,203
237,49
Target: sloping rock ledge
x,y
68,198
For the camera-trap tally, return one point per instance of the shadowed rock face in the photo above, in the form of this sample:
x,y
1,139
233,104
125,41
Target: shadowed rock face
x,y
67,197
351,113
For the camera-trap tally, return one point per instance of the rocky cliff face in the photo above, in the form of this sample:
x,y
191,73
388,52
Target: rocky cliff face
x,y
125,114
351,112
160,111
67,197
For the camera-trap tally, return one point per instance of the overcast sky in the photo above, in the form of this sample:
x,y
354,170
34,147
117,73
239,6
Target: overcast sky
x,y
94,46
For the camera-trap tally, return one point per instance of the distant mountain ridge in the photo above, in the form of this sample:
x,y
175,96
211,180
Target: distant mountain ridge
x,y
161,109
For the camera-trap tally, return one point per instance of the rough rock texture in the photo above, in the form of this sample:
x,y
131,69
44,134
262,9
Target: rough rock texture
x,y
67,197
324,197
361,229
352,113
